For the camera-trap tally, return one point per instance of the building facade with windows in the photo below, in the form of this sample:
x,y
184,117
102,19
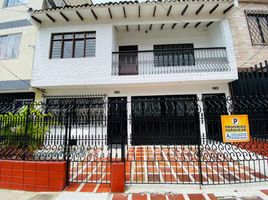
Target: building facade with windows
x,y
134,50
249,27
17,46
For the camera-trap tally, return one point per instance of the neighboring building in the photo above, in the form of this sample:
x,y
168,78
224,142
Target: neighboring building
x,y
249,27
17,40
17,48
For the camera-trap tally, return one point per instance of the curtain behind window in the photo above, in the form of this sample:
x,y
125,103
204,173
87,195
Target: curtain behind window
x,y
3,44
10,3
9,46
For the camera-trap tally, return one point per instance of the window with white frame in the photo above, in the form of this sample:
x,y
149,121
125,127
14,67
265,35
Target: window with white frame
x,y
9,46
10,3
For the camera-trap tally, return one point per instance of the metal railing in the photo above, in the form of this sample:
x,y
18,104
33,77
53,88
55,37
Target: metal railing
x,y
171,61
166,143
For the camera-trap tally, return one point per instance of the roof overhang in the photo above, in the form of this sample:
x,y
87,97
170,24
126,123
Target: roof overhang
x,y
134,12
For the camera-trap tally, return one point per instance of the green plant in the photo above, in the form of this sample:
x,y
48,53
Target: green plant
x,y
24,129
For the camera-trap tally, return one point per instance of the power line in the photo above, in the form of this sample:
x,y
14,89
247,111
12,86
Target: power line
x,y
8,70
25,82
257,53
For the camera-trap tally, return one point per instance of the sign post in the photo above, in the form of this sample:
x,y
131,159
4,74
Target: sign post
x,y
235,128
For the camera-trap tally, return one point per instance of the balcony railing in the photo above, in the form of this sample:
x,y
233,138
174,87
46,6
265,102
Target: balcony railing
x,y
172,61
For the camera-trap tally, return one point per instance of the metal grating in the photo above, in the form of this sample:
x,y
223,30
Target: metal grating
x,y
258,26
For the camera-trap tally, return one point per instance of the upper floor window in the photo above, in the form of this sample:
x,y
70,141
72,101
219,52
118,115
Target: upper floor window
x,y
9,46
10,3
258,26
73,45
173,55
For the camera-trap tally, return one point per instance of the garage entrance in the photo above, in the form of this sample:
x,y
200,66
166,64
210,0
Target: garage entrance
x,y
165,120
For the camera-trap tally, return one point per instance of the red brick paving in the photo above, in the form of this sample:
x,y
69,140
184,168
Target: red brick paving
x,y
265,192
88,187
212,197
72,187
104,188
175,197
136,196
196,197
158,165
120,197
158,197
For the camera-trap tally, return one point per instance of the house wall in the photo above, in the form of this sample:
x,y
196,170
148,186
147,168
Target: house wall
x,y
246,54
145,41
73,71
97,70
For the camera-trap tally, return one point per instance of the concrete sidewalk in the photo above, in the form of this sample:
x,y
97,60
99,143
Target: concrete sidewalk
x,y
153,192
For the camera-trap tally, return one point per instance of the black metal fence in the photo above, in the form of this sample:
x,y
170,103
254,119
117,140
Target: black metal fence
x,y
171,139
170,61
251,81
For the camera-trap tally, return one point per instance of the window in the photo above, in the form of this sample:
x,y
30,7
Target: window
x,y
258,26
88,110
73,45
10,3
173,55
9,46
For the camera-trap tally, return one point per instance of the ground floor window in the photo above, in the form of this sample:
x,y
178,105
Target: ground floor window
x,y
85,110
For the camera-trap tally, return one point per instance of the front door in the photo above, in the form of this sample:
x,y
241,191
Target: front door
x,y
214,106
117,120
165,120
128,60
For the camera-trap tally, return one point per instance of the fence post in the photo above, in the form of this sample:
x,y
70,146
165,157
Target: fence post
x,y
27,139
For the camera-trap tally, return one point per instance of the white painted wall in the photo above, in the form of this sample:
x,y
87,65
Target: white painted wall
x,y
72,71
97,70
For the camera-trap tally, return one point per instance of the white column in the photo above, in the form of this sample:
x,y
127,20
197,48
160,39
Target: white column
x,y
129,118
201,116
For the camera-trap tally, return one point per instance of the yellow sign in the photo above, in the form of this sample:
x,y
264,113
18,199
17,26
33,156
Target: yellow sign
x,y
235,128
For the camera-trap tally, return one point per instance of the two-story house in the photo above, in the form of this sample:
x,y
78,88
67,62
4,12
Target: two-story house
x,y
135,50
132,49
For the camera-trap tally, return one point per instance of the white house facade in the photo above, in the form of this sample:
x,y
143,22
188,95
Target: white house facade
x,y
135,49
132,50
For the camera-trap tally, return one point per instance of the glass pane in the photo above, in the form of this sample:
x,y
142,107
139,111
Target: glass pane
x,y
90,47
56,49
79,49
10,47
15,46
67,49
79,35
57,36
15,2
3,43
92,34
264,28
68,36
254,29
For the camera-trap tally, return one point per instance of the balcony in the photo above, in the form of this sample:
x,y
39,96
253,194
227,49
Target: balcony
x,y
173,61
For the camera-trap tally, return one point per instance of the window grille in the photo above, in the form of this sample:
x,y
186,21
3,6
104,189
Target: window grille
x,y
258,26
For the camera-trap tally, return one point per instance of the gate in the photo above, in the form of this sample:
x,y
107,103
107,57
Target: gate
x,y
165,140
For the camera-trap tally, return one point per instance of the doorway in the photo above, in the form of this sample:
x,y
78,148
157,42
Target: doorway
x,y
128,60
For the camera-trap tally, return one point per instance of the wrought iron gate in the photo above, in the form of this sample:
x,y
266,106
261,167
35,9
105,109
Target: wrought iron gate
x,y
170,151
